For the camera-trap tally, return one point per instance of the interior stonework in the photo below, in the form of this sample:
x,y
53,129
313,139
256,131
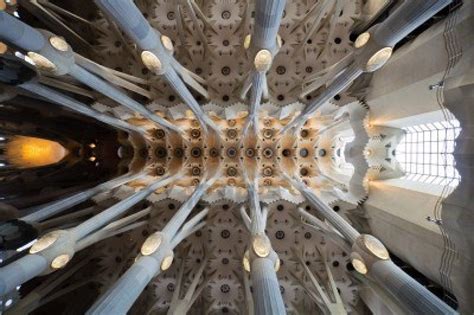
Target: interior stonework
x,y
236,157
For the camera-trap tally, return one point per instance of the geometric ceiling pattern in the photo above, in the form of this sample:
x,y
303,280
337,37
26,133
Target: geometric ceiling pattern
x,y
239,148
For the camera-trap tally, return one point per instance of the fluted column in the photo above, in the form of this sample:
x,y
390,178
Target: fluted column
x,y
347,230
105,88
55,249
14,31
17,72
371,258
261,260
53,55
43,212
66,101
109,214
267,295
50,289
156,53
178,85
373,50
258,81
263,46
123,293
156,256
343,81
20,271
182,305
408,292
268,14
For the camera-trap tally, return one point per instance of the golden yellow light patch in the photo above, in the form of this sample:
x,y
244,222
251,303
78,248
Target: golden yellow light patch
x,y
25,152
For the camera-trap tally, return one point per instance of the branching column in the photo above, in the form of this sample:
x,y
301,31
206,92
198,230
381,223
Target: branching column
x,y
261,260
264,45
372,50
157,53
183,305
156,256
46,211
66,101
371,258
51,54
55,249
12,69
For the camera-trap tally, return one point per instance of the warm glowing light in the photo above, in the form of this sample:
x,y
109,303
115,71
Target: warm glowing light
x,y
166,263
44,242
359,265
151,61
247,41
246,261
277,264
58,43
167,43
26,152
151,244
41,62
189,113
60,261
3,48
92,145
362,40
261,246
92,158
263,60
375,247
378,59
